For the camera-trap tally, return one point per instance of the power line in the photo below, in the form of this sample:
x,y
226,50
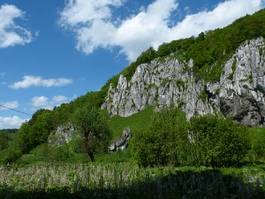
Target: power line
x,y
16,110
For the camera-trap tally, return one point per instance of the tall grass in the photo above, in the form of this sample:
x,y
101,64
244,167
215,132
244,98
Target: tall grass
x,y
129,181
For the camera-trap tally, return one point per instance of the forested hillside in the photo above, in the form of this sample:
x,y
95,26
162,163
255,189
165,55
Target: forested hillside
x,y
195,108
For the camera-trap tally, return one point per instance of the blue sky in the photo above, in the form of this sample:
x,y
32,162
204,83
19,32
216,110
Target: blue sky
x,y
52,51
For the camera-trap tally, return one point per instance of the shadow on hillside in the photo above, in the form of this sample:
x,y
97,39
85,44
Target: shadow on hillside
x,y
206,184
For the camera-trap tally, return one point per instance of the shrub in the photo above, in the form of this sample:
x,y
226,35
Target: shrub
x,y
163,143
217,142
77,144
10,155
60,153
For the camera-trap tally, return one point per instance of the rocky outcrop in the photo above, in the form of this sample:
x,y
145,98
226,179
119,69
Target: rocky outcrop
x,y
63,135
240,92
122,143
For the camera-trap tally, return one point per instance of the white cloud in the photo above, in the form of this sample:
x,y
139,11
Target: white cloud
x,y
11,122
44,102
39,101
9,105
60,99
94,26
83,11
11,33
36,81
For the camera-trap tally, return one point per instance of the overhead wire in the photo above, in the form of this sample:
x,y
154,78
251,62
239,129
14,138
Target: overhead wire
x,y
15,110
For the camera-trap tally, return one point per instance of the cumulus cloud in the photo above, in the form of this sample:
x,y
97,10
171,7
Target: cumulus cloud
x,y
11,33
44,102
11,122
37,81
39,101
94,26
9,105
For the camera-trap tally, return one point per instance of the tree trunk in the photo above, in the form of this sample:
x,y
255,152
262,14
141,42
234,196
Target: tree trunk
x,y
89,146
91,156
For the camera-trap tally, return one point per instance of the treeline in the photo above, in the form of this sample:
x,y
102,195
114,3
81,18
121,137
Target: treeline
x,y
8,131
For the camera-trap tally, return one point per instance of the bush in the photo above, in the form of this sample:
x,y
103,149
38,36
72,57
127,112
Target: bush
x,y
10,155
217,142
48,153
77,144
163,143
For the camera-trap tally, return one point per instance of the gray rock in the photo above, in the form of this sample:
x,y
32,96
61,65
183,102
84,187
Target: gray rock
x,y
122,143
63,135
240,92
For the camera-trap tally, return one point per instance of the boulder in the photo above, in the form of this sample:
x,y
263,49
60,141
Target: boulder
x,y
63,135
122,143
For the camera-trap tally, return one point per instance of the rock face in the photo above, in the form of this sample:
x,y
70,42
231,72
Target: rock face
x,y
122,143
240,92
63,135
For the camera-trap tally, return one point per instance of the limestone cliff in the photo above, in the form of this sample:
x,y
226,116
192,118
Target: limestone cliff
x,y
240,92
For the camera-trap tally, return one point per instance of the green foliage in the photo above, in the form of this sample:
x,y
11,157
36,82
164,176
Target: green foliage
x,y
7,136
93,127
181,84
233,70
163,143
211,141
217,142
4,139
10,154
203,96
36,131
8,131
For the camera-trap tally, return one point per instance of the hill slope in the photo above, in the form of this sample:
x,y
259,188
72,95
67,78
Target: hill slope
x,y
220,71
239,93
